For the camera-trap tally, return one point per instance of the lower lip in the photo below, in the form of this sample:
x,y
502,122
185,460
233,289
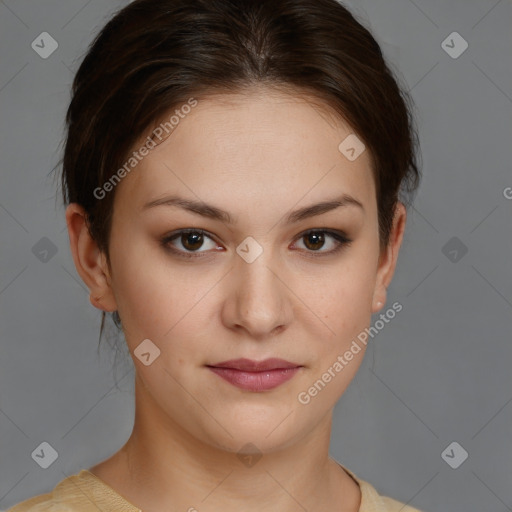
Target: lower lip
x,y
255,381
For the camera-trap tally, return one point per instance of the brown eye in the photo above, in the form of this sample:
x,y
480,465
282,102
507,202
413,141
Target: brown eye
x,y
192,241
315,241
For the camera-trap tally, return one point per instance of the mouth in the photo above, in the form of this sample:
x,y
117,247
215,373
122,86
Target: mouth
x,y
255,375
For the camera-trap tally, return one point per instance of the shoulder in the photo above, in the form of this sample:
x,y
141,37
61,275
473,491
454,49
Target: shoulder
x,y
392,505
72,494
33,504
41,503
372,501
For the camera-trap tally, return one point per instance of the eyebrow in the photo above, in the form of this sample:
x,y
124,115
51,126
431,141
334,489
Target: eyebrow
x,y
214,213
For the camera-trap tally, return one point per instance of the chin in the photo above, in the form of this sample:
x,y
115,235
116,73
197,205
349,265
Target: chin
x,y
267,434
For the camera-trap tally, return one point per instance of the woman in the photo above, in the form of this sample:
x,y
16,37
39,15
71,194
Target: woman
x,y
232,172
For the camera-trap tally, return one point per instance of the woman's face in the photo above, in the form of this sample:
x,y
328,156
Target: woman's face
x,y
253,286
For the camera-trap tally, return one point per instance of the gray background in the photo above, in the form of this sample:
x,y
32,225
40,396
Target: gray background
x,y
438,373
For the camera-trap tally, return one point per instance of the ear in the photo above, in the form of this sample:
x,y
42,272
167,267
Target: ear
x,y
90,262
388,258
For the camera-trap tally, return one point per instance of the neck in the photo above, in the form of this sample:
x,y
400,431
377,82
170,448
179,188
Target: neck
x,y
164,466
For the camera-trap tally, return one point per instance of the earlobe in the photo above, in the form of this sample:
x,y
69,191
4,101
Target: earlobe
x,y
89,261
377,306
97,302
389,258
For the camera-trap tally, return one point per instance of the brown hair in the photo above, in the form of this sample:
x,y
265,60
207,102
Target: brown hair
x,y
154,55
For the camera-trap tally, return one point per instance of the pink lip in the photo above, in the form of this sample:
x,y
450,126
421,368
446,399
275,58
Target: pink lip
x,y
255,375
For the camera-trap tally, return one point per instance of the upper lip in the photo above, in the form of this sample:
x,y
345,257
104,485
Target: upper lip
x,y
256,366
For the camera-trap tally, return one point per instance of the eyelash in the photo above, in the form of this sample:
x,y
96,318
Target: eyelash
x,y
341,239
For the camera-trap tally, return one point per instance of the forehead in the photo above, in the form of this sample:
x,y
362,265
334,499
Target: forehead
x,y
261,146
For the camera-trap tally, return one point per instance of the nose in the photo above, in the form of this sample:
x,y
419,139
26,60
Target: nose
x,y
259,301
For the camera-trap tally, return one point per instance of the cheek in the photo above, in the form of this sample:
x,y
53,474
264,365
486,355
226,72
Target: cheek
x,y
161,301
340,347
344,298
342,303
148,293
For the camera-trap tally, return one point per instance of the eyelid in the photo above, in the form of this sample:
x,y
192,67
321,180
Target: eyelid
x,y
342,240
165,241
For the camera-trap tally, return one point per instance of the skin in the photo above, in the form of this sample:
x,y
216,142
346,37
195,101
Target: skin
x,y
258,156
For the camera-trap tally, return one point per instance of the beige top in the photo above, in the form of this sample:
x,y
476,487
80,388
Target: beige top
x,y
85,492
